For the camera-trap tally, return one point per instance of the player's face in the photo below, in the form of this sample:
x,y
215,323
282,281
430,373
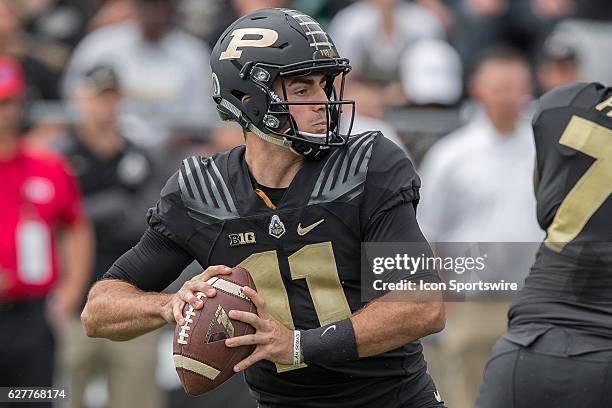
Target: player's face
x,y
309,88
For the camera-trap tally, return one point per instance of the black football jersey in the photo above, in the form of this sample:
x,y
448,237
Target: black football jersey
x,y
573,137
304,257
571,280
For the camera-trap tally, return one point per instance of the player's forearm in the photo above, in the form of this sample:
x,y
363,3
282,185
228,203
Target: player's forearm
x,y
385,325
119,311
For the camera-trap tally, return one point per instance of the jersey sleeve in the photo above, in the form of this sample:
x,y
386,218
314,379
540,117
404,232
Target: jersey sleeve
x,y
153,264
169,216
554,111
391,181
559,97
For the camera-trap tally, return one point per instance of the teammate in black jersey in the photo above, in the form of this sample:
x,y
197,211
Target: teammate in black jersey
x,y
293,206
558,349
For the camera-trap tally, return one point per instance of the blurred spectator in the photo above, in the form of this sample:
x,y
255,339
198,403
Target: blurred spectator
x,y
591,33
558,62
430,80
165,72
40,198
441,10
113,12
41,61
113,175
374,34
208,19
60,21
593,10
225,136
321,10
431,74
522,23
477,188
244,7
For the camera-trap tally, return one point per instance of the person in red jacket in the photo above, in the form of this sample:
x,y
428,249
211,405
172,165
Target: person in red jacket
x,y
40,203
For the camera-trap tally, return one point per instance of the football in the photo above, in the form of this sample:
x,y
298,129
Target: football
x,y
201,358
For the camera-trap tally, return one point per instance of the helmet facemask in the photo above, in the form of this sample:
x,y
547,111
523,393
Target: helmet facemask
x,y
278,120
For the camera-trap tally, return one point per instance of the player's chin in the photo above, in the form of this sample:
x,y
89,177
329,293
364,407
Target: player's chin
x,y
318,129
314,129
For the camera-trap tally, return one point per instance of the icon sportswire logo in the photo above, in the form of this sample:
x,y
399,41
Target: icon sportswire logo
x,y
303,231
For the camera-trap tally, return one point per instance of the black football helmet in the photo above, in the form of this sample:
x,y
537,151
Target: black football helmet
x,y
278,43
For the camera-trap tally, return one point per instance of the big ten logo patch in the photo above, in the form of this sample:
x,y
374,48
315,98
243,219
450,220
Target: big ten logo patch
x,y
242,238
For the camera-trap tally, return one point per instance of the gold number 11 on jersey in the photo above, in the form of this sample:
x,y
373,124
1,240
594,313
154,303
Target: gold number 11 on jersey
x,y
593,188
316,264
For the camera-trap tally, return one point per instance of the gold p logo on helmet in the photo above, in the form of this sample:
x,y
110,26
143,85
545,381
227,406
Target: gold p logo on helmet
x,y
268,37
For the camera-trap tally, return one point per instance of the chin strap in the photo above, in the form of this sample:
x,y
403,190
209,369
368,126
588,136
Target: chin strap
x,y
271,139
298,149
319,135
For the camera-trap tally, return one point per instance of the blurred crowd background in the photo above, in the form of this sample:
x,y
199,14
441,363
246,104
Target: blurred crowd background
x,y
121,88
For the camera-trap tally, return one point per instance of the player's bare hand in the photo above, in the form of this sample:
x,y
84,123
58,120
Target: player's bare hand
x,y
172,311
273,341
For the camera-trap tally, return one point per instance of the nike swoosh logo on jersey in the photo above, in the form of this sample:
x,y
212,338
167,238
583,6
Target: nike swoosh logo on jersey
x,y
303,231
333,326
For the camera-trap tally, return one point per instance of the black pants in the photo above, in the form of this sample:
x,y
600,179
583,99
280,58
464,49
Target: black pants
x,y
27,348
555,371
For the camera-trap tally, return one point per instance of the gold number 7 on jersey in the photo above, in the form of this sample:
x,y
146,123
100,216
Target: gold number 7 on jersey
x,y
316,264
593,188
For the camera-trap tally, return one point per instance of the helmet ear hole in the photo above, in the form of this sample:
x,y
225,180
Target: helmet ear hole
x,y
240,96
255,106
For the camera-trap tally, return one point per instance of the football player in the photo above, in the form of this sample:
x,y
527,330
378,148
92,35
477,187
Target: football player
x,y
293,207
558,348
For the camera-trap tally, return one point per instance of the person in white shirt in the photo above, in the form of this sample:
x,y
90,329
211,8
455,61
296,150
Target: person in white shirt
x,y
431,74
477,188
165,71
374,34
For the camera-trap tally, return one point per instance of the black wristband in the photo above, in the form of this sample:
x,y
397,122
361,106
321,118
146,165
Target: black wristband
x,y
330,343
